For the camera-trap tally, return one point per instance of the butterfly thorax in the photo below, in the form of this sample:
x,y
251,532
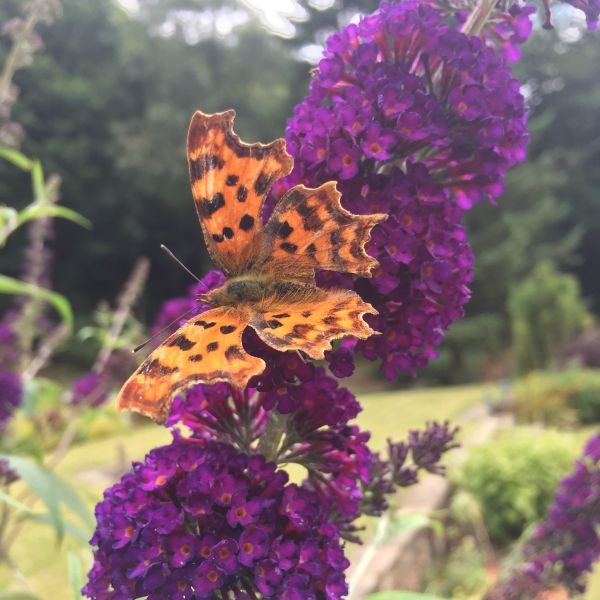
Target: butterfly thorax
x,y
262,291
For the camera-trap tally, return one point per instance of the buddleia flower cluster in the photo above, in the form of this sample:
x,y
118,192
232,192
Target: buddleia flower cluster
x,y
420,121
413,118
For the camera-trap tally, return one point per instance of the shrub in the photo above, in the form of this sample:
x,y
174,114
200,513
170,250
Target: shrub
x,y
585,398
558,398
514,478
546,310
543,397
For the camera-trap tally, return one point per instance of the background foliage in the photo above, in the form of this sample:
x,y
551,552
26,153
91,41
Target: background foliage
x,y
106,106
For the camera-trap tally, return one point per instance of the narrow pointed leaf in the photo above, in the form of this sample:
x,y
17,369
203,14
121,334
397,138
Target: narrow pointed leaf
x,y
43,209
9,285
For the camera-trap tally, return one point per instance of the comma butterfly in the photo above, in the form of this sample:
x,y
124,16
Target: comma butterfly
x,y
270,268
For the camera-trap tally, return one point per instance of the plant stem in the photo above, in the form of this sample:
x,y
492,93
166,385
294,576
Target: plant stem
x,y
270,440
477,19
128,296
10,64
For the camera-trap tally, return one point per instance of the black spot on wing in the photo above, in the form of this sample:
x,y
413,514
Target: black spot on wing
x,y
154,368
233,352
335,238
227,233
182,342
310,217
195,358
205,324
272,324
209,207
212,346
231,180
242,193
204,163
284,230
302,329
246,222
227,328
262,183
281,316
290,248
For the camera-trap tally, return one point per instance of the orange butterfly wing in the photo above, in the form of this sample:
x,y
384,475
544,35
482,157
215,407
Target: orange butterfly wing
x,y
207,349
309,229
312,324
230,180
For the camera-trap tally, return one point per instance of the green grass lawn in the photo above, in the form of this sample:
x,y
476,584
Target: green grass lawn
x,y
93,466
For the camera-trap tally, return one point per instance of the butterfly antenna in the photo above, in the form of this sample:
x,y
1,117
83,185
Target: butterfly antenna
x,y
163,247
185,314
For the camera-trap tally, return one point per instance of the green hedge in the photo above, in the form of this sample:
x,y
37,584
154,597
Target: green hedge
x,y
514,477
558,398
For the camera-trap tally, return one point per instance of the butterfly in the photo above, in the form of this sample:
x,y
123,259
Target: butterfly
x,y
270,269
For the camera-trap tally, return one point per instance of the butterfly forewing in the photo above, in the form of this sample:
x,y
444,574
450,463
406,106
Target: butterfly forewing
x,y
230,180
207,349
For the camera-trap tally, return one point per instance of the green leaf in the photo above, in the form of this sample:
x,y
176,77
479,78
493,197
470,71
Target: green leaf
x,y
41,394
18,596
52,491
14,502
402,596
8,218
16,158
79,533
37,181
75,575
8,285
43,209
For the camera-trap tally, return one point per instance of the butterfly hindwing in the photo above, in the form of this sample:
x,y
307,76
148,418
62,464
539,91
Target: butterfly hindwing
x,y
206,349
309,229
230,180
311,326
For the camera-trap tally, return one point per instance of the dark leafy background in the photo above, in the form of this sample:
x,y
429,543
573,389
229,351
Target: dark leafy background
x,y
107,105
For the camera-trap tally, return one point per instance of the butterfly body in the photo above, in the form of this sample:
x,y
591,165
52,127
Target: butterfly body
x,y
270,268
262,292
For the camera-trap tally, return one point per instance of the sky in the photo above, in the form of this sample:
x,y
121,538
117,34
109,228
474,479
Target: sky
x,y
278,16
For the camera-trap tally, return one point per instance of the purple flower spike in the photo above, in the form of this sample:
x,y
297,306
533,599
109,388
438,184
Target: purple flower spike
x,y
428,121
149,543
11,395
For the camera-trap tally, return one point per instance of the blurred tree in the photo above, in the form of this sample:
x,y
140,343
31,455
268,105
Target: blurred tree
x,y
546,310
107,106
